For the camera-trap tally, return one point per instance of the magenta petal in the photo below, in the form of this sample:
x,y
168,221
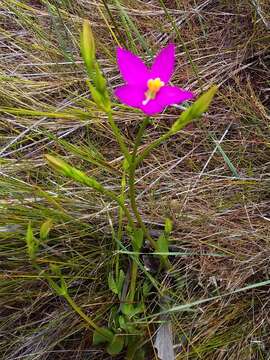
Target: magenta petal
x,y
131,95
133,70
163,64
169,95
152,107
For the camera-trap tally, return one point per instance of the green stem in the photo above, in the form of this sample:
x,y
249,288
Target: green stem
x,y
74,306
132,194
152,146
120,221
89,321
118,136
132,168
120,200
126,211
139,137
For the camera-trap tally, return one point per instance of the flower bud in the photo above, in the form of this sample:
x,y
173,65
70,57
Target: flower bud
x,y
88,48
195,110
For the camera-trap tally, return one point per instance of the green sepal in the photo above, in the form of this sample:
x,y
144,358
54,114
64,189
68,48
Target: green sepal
x,y
99,80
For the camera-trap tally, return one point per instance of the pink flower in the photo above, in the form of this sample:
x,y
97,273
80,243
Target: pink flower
x,y
145,88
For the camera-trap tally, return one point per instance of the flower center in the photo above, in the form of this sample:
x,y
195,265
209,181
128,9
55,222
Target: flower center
x,y
154,86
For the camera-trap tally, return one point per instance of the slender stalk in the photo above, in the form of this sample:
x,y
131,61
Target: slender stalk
x,y
74,306
132,168
126,211
152,146
120,220
89,321
121,213
132,195
118,136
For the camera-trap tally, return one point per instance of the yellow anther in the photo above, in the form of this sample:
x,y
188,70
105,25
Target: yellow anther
x,y
154,86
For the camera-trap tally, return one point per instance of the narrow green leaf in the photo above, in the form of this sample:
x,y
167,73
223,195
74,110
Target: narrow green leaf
x,y
100,81
163,245
62,288
54,286
226,159
101,99
29,234
69,114
96,95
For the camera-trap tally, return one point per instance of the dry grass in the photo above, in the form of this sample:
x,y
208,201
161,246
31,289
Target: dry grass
x,y
212,179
